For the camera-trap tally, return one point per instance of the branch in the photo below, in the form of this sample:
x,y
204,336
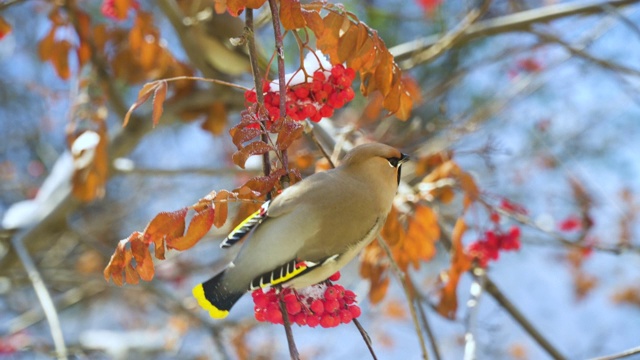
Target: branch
x,y
407,292
43,296
293,350
510,23
479,276
365,337
621,355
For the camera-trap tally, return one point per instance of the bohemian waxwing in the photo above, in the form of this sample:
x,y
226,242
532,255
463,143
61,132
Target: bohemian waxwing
x,y
311,230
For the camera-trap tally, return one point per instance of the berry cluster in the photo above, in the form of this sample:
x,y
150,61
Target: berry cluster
x,y
327,91
488,248
108,8
325,304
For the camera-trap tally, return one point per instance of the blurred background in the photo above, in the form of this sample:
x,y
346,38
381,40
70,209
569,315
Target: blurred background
x,y
538,100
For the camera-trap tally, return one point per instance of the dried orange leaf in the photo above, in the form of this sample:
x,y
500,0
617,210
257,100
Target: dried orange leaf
x,y
198,228
288,132
222,208
130,275
377,292
144,263
460,263
216,119
165,226
5,28
291,15
314,21
255,148
242,133
159,94
143,95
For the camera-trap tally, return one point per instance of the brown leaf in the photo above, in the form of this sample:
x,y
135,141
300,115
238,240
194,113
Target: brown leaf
x,y
5,28
46,45
242,133
119,260
460,263
393,230
291,15
144,263
165,226
143,95
264,184
222,208
314,21
91,164
348,43
216,119
235,7
288,132
198,227
377,292
255,148
60,58
159,94
383,75
422,234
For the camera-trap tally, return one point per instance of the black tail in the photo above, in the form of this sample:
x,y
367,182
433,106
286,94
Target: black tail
x,y
216,298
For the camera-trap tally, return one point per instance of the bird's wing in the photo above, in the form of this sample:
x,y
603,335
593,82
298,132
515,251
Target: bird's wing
x,y
246,226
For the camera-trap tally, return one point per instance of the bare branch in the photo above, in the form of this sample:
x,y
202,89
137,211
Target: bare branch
x,y
293,350
622,355
365,337
43,296
510,23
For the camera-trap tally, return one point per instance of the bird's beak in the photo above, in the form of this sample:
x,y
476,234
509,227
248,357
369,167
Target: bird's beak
x,y
403,159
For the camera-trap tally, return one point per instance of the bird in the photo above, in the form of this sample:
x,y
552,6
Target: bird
x,y
311,230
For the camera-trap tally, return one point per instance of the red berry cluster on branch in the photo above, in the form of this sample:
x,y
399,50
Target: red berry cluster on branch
x,y
488,248
325,304
326,92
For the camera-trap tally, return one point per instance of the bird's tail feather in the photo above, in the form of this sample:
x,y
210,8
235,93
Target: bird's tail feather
x,y
215,298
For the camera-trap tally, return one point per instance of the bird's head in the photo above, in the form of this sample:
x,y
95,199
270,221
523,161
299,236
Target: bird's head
x,y
375,160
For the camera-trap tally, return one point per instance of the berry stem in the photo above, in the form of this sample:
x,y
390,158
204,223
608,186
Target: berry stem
x,y
275,15
365,337
293,350
253,57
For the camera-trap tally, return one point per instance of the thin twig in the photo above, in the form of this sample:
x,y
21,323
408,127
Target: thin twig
x,y
293,350
495,292
257,79
427,328
43,296
309,129
509,23
408,293
446,41
73,296
275,16
365,337
479,276
624,354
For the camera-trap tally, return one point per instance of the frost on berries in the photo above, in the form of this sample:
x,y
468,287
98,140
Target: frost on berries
x,y
326,304
313,93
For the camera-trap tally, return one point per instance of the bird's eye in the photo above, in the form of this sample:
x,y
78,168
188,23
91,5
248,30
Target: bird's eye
x,y
394,162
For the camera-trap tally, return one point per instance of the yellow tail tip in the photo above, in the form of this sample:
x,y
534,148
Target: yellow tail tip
x,y
214,312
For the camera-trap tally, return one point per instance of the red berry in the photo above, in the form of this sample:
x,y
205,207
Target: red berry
x,y
260,316
302,91
355,311
495,217
293,307
326,111
350,74
319,76
300,318
330,306
290,297
349,297
340,290
348,94
250,96
313,320
343,82
336,101
335,277
315,117
345,316
337,70
330,293
327,321
317,307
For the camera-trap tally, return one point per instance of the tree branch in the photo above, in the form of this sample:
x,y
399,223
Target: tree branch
x,y
510,23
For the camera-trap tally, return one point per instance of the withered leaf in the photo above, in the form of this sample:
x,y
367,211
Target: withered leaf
x,y
460,263
198,227
159,94
255,148
291,15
